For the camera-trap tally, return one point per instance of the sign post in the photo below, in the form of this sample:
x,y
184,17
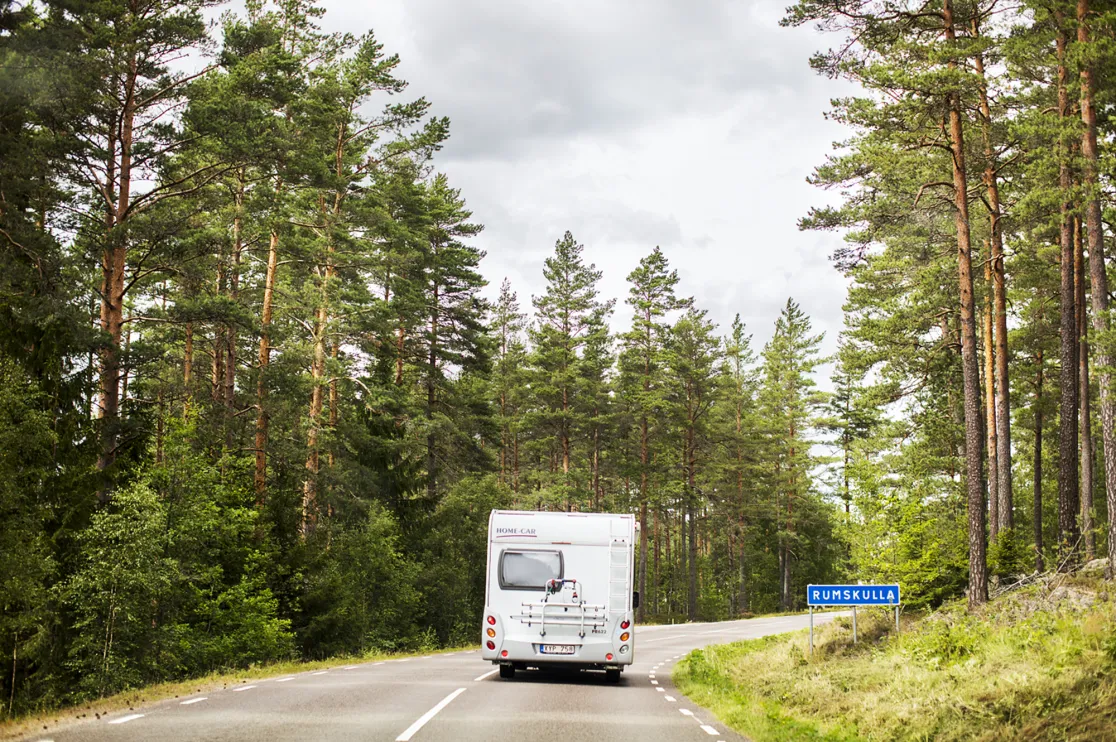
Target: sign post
x,y
829,596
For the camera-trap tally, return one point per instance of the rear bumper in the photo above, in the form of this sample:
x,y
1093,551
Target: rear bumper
x,y
592,651
592,654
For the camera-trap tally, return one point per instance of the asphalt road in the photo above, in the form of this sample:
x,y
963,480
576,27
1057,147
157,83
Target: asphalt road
x,y
447,698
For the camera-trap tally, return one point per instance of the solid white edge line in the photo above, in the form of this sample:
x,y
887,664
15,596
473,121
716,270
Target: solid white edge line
x,y
323,672
350,667
490,672
421,721
129,717
283,680
243,687
193,700
709,730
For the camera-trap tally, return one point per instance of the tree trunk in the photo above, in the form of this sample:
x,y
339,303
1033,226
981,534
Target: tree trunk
x,y
657,555
1002,469
264,361
565,431
400,334
118,182
234,296
974,436
596,459
1099,283
188,368
515,461
431,399
691,490
1039,563
334,401
642,610
1085,414
217,360
990,405
1067,414
310,506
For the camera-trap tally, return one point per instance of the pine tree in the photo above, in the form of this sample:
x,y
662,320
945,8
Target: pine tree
x,y
651,298
789,400
693,354
566,317
508,378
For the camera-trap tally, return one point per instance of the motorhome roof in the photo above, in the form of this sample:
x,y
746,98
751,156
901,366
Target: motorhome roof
x,y
539,527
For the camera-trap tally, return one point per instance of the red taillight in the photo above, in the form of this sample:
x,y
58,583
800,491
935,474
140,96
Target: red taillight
x,y
504,653
625,623
491,645
491,620
609,656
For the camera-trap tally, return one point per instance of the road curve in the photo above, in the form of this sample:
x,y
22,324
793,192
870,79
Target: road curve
x,y
446,698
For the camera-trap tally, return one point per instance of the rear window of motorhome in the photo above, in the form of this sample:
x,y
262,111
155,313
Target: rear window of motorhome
x,y
529,570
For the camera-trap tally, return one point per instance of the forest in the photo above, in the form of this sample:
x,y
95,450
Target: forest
x,y
257,401
976,361
257,397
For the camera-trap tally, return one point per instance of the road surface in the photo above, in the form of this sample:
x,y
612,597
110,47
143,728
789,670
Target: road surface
x,y
446,698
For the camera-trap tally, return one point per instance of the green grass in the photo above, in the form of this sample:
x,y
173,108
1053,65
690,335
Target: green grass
x,y
50,720
1036,665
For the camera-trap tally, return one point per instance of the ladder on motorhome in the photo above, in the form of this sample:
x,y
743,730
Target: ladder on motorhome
x,y
619,575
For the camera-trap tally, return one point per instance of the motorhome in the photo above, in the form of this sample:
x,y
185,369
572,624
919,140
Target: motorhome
x,y
559,592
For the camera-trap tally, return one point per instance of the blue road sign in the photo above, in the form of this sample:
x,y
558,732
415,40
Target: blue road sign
x,y
852,595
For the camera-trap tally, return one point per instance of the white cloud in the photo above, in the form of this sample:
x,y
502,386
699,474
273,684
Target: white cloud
x,y
690,125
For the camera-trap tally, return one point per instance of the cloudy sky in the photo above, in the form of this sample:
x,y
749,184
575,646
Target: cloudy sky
x,y
689,124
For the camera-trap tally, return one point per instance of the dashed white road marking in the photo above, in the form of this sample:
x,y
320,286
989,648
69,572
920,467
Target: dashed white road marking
x,y
654,682
669,699
709,730
677,656
284,680
129,717
350,667
405,659
421,721
661,689
665,639
323,672
374,664
487,674
193,700
686,712
242,688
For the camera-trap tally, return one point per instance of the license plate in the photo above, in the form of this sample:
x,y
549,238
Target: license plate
x,y
557,648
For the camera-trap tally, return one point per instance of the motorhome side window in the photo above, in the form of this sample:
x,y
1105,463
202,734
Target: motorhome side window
x,y
529,570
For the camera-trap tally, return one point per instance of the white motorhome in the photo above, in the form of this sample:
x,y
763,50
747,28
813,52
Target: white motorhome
x,y
559,593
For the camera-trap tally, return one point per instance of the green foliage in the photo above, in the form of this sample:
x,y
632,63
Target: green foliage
x,y
115,592
1009,554
1025,667
360,593
455,555
284,433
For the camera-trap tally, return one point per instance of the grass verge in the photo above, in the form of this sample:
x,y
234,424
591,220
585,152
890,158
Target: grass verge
x,y
1038,664
47,721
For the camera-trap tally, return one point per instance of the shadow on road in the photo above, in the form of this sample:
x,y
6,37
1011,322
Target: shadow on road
x,y
562,677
